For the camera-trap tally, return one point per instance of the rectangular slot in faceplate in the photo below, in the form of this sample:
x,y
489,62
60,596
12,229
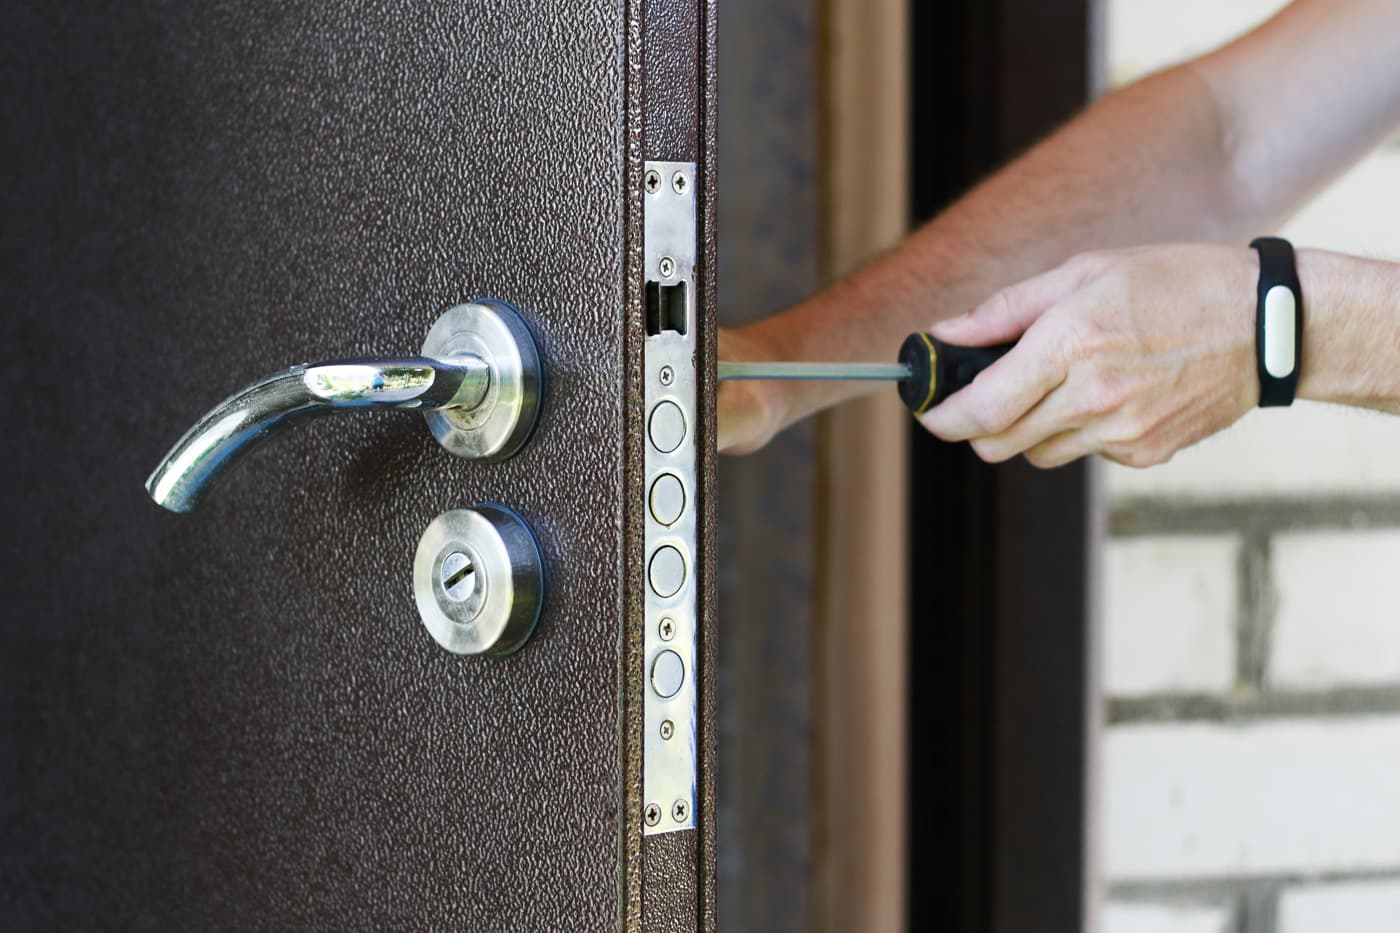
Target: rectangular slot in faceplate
x,y
666,308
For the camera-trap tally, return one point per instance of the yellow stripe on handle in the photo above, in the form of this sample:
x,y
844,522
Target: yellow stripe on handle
x,y
927,403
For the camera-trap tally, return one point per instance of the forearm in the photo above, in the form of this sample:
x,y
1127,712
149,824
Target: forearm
x,y
1351,330
1094,184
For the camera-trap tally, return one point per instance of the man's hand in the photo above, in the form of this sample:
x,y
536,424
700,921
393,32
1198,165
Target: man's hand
x,y
1132,354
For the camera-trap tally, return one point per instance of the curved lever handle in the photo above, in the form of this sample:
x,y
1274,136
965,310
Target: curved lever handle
x,y
236,425
478,383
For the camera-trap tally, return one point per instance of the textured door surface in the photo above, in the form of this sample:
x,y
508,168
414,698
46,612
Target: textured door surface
x,y
236,718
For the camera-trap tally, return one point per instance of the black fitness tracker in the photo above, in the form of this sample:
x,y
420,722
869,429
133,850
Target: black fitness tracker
x,y
1278,322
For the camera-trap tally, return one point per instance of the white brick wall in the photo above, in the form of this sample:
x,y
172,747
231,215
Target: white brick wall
x,y
1203,806
1355,907
1196,800
1166,918
1169,614
1339,610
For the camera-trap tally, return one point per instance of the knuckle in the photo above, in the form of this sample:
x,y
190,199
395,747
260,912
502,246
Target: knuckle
x,y
1156,455
1093,404
1086,262
1148,428
1105,395
1086,404
1093,263
1081,342
999,305
1138,456
991,417
1039,458
990,451
1117,391
1084,335
1124,455
1131,428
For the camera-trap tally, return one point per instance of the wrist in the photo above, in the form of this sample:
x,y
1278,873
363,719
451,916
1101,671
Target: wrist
x,y
1336,341
1241,296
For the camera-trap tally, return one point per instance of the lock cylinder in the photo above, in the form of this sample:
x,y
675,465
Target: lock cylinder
x,y
478,580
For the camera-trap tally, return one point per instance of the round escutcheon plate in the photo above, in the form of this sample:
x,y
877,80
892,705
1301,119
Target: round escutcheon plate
x,y
500,425
478,580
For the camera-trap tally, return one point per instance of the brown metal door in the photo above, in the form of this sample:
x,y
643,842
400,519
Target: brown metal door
x,y
235,718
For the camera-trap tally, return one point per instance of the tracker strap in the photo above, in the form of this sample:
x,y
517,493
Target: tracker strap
x,y
1278,323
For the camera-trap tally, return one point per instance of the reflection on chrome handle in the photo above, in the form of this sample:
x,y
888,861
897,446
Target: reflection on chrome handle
x,y
223,436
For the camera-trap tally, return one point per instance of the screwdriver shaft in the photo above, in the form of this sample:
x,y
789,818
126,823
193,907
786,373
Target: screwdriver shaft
x,y
886,372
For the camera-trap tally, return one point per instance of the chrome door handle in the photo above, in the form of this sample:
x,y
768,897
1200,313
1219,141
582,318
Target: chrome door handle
x,y
478,383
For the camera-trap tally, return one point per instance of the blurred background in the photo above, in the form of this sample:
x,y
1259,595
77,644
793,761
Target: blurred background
x,y
1161,701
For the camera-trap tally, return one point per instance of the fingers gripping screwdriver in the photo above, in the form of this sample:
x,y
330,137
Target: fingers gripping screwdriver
x,y
928,370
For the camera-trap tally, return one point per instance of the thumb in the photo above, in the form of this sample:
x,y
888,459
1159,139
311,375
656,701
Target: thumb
x,y
1005,316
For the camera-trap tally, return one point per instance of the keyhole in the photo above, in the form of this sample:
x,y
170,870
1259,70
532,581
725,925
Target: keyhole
x,y
458,576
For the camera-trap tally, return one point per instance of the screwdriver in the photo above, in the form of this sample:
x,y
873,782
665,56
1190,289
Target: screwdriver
x,y
928,370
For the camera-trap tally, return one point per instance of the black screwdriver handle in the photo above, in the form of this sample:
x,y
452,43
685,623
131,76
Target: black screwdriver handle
x,y
939,369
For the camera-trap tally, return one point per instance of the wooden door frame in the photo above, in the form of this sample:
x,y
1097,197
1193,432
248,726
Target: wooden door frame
x,y
861,617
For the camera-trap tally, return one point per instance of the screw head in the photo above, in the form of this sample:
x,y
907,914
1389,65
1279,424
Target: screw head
x,y
679,182
667,375
652,814
680,810
667,629
652,182
668,729
458,576
668,267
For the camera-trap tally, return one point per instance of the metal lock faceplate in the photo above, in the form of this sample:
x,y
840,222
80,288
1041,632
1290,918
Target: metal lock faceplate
x,y
669,354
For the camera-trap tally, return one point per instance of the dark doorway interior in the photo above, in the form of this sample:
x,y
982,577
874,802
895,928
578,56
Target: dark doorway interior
x,y
1000,605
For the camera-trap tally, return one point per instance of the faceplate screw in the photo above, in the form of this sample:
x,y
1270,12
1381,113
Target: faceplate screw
x,y
668,729
458,576
653,181
679,182
667,629
652,814
679,811
667,375
668,267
